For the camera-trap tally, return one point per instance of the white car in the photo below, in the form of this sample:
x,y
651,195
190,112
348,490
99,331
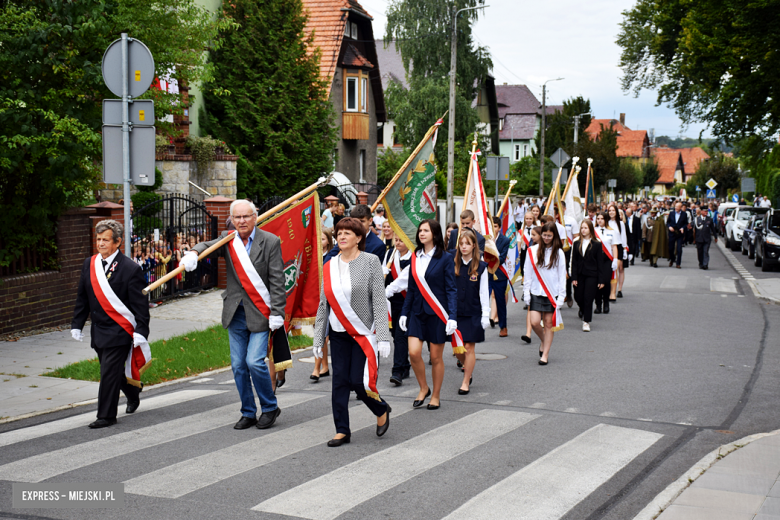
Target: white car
x,y
736,222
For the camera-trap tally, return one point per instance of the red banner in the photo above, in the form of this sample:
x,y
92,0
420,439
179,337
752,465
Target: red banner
x,y
298,227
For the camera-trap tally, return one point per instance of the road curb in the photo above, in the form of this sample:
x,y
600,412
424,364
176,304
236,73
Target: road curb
x,y
666,497
744,273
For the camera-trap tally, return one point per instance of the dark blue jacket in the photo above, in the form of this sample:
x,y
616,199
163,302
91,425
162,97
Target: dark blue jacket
x,y
681,223
469,303
440,276
502,244
453,241
374,245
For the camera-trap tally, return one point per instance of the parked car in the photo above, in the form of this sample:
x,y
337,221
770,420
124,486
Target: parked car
x,y
749,235
768,242
736,222
724,211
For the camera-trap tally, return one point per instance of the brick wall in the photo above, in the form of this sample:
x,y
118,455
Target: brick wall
x,y
47,298
220,207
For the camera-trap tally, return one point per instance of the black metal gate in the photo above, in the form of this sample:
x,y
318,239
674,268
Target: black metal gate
x,y
165,229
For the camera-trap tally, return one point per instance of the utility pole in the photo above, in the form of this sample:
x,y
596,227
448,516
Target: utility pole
x,y
577,125
451,134
544,123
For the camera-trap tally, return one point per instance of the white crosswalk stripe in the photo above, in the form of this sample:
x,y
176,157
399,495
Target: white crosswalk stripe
x,y
50,464
81,420
323,498
193,474
549,487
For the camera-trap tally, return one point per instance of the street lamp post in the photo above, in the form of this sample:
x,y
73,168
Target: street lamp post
x,y
451,134
577,124
544,122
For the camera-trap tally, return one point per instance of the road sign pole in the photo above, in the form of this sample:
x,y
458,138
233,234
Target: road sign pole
x,y
126,144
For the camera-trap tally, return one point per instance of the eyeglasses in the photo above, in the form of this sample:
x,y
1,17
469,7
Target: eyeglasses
x,y
244,217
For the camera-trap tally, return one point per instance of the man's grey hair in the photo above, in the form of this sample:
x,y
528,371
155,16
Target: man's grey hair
x,y
117,230
242,201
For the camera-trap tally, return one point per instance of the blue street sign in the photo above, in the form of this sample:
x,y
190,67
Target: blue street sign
x,y
735,198
710,194
698,188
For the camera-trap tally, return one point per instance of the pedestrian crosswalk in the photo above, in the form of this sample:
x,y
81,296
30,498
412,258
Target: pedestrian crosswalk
x,y
350,478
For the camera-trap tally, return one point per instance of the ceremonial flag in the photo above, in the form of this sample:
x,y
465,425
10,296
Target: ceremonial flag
x,y
475,199
298,227
512,262
590,197
410,197
573,201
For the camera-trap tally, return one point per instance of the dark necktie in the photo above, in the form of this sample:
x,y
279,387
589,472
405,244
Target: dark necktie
x,y
104,264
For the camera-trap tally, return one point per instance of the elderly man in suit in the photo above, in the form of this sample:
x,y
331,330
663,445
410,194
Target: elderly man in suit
x,y
677,223
374,244
120,317
253,305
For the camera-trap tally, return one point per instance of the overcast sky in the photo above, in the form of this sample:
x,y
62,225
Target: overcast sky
x,y
531,42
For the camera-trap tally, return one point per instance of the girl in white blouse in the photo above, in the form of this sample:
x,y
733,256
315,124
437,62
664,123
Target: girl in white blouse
x,y
621,242
544,285
607,236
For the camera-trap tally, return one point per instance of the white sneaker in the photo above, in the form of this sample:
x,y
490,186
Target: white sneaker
x,y
585,326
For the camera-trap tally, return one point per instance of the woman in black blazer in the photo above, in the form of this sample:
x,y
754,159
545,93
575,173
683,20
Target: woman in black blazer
x,y
590,271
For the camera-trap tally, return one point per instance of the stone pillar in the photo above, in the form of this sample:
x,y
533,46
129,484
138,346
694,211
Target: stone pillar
x,y
219,207
362,198
105,210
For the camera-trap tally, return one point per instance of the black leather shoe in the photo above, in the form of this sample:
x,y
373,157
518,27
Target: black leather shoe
x,y
335,443
325,374
268,419
620,294
597,310
543,363
280,382
492,323
579,314
463,392
102,423
396,380
419,403
606,309
314,378
381,430
525,338
132,406
433,407
244,423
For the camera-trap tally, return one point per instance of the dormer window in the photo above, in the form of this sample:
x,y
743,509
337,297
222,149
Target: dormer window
x,y
356,91
351,30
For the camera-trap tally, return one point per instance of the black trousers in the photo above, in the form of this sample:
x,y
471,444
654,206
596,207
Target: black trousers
x,y
675,247
401,363
112,380
602,295
567,254
347,363
585,294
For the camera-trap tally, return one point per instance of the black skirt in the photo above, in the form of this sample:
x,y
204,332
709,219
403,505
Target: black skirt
x,y
470,328
541,304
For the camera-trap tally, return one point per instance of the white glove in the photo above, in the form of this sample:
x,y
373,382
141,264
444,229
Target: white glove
x,y
559,303
385,270
317,351
190,261
388,293
274,322
384,348
614,264
527,299
77,334
451,327
138,339
485,322
402,323
630,257
625,254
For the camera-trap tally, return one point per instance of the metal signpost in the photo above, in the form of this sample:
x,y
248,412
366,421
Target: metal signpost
x,y
497,170
128,70
612,183
748,185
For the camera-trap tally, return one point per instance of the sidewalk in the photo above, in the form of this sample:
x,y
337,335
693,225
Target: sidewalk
x,y
23,391
738,481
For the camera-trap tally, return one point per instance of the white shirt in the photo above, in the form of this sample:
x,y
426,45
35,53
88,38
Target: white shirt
x,y
520,210
401,283
606,236
484,291
109,260
571,227
379,220
619,234
556,283
766,203
346,285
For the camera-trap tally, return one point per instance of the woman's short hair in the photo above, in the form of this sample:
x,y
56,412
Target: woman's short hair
x,y
117,230
354,225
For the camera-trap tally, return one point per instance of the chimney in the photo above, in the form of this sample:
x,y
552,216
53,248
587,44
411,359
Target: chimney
x,y
623,119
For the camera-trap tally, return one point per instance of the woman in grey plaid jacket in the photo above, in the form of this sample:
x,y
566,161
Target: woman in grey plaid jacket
x,y
353,314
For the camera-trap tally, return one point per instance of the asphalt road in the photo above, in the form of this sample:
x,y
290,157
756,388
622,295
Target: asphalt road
x,y
687,361
751,266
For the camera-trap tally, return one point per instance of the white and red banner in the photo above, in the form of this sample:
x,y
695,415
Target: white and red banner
x,y
425,289
247,274
476,200
364,337
140,356
540,275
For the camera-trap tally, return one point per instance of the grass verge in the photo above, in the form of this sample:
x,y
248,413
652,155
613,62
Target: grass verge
x,y
174,358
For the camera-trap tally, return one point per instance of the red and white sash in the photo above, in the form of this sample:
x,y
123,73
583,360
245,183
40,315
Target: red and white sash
x,y
557,320
438,308
526,239
366,338
247,275
395,268
140,356
607,250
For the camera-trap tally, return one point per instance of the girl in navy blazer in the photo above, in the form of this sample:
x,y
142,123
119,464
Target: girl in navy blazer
x,y
419,319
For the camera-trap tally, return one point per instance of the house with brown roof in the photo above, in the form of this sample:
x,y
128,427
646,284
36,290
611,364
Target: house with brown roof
x,y
520,119
630,143
343,32
670,166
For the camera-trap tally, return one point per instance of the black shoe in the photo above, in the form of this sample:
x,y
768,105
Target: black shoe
x,y
541,353
526,339
314,378
492,323
597,310
620,294
606,309
433,407
268,419
632,262
706,267
244,423
102,423
543,363
460,365
381,430
335,443
325,374
463,392
655,265
280,383
419,403
405,375
580,314
132,406
396,380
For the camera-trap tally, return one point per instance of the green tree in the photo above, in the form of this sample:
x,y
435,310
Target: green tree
x,y
388,164
267,100
650,173
51,88
603,151
713,61
720,167
560,127
629,176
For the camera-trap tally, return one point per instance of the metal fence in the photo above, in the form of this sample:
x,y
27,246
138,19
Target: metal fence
x,y
163,231
347,193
